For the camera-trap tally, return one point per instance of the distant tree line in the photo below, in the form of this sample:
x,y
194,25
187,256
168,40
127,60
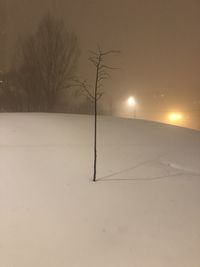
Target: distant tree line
x,y
43,71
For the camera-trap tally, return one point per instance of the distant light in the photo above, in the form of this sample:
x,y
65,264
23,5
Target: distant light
x,y
175,117
131,101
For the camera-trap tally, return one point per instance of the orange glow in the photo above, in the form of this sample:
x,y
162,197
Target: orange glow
x,y
175,117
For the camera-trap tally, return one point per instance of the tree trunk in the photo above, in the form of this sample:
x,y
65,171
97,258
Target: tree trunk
x,y
95,141
95,119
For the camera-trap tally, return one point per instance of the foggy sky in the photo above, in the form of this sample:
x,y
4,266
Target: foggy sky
x,y
159,40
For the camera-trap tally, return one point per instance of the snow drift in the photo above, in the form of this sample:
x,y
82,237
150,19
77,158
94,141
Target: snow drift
x,y
143,211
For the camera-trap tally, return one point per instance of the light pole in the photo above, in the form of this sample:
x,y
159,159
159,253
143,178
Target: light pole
x,y
132,104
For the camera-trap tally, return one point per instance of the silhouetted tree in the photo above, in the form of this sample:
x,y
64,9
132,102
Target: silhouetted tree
x,y
46,64
10,98
97,58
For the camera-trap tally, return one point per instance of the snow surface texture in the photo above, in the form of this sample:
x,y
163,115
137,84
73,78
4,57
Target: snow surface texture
x,y
144,210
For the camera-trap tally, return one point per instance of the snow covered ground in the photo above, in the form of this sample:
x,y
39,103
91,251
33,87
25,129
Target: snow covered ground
x,y
144,210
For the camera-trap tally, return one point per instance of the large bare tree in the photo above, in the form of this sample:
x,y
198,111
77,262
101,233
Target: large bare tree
x,y
97,58
46,63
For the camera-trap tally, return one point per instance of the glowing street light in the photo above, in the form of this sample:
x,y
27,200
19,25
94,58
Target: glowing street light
x,y
132,103
175,117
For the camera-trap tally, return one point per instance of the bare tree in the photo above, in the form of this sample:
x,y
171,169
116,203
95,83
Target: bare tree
x,y
10,99
97,58
46,63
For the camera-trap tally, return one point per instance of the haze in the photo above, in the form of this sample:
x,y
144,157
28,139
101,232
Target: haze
x,y
159,40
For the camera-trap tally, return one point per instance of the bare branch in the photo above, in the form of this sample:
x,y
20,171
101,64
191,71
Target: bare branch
x,y
93,58
99,95
84,88
104,76
101,79
87,96
110,52
90,99
93,61
99,49
108,67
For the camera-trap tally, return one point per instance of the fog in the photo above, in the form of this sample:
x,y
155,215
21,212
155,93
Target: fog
x,y
159,42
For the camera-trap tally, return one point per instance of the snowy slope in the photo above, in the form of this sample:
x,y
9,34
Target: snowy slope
x,y
144,211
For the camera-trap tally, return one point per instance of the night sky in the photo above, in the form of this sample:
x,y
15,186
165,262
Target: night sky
x,y
159,42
